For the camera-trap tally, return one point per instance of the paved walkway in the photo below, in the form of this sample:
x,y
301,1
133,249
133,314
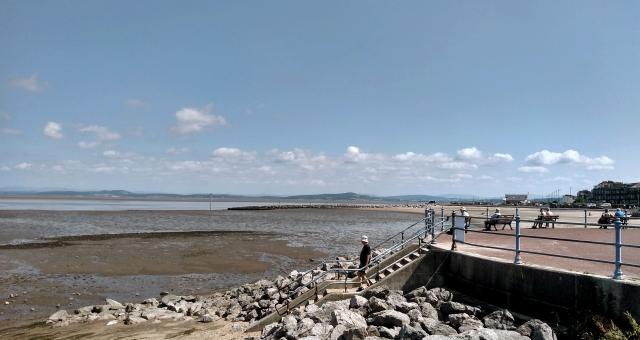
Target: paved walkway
x,y
506,239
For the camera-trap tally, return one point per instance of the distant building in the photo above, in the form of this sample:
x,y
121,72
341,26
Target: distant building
x,y
617,193
584,195
568,199
515,199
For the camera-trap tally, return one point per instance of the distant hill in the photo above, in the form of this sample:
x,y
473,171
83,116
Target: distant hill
x,y
124,194
418,198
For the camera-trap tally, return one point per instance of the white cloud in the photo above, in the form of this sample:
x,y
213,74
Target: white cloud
x,y
266,169
23,166
233,153
111,153
188,166
177,151
191,120
600,167
53,130
469,153
31,83
301,159
546,157
297,170
102,132
354,154
87,145
5,168
9,131
501,157
134,103
533,169
58,168
5,115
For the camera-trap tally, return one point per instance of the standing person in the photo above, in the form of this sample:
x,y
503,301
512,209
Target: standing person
x,y
365,258
467,218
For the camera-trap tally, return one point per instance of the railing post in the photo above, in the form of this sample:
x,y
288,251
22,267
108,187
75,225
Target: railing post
x,y
442,218
433,232
345,281
517,259
402,239
426,221
585,218
487,214
454,246
617,274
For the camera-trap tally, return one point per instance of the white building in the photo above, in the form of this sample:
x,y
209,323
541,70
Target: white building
x,y
568,199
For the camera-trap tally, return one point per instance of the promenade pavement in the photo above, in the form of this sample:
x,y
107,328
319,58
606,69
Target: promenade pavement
x,y
505,239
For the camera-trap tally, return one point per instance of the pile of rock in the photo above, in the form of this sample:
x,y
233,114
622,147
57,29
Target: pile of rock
x,y
248,302
420,314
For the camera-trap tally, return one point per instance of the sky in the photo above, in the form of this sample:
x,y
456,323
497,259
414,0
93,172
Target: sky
x,y
297,97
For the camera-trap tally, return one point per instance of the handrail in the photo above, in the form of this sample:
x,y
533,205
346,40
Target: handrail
x,y
398,233
370,264
562,222
332,261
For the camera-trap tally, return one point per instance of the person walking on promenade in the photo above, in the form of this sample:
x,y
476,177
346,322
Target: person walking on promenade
x,y
365,258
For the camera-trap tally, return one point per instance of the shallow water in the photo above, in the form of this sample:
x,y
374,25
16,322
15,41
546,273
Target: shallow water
x,y
115,204
334,231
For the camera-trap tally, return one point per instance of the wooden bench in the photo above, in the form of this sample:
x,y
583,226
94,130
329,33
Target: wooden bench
x,y
503,219
611,222
545,219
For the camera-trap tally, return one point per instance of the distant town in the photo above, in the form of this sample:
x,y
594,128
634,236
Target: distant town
x,y
606,194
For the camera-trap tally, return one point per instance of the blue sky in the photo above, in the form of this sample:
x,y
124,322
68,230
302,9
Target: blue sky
x,y
289,97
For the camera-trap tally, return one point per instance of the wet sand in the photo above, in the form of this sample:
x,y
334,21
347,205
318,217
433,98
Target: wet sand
x,y
83,270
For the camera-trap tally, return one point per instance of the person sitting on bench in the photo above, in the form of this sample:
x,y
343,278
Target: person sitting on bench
x,y
547,217
605,218
492,220
538,221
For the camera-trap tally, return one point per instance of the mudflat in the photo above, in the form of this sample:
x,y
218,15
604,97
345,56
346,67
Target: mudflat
x,y
76,271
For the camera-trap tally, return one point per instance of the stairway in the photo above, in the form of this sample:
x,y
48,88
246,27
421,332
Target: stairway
x,y
332,290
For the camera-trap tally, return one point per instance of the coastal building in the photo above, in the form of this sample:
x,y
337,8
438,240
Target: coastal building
x,y
583,196
515,199
616,193
568,199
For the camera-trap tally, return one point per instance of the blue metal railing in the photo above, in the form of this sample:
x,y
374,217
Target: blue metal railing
x,y
617,244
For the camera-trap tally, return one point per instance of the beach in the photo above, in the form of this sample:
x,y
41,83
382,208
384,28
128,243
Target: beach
x,y
54,260
69,259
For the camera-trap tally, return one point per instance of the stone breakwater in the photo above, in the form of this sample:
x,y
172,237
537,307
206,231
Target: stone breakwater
x,y
377,313
329,206
380,313
247,303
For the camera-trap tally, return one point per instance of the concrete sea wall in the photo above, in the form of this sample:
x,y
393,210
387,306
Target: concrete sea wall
x,y
552,295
